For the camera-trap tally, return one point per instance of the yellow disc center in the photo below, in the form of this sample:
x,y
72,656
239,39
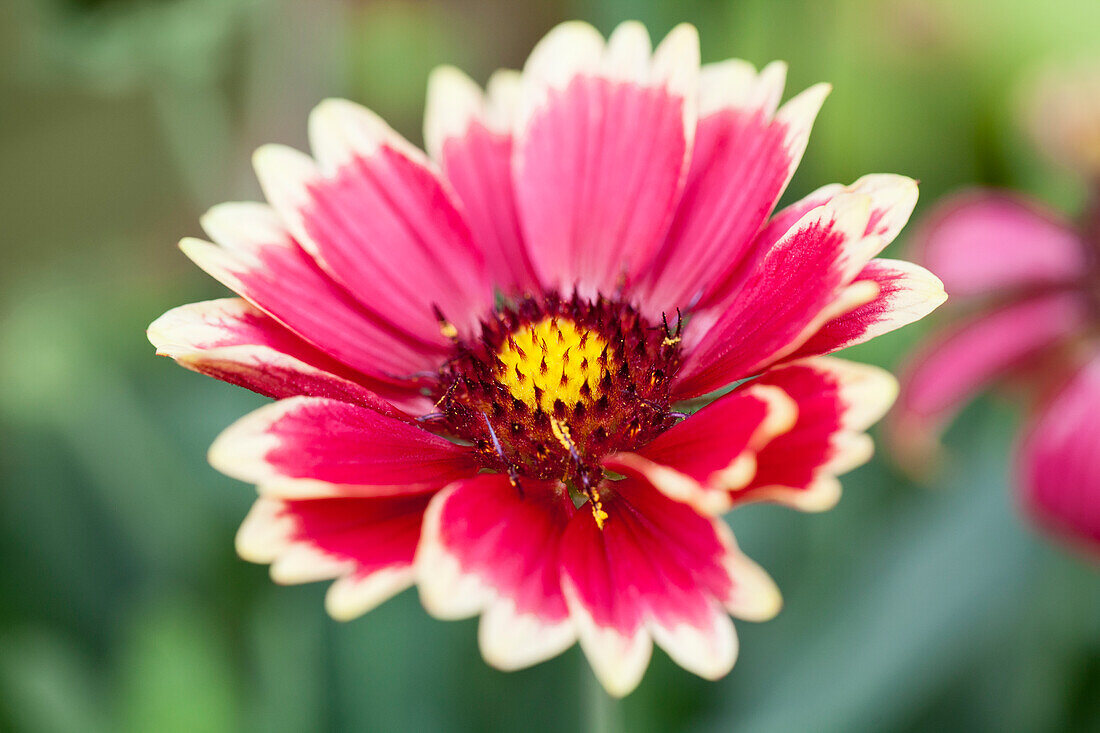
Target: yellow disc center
x,y
553,360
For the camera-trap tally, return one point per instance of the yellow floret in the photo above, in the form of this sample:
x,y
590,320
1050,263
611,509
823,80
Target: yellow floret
x,y
556,357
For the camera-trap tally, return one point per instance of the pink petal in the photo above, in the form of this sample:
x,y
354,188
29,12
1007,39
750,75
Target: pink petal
x,y
367,543
1060,463
470,135
982,241
308,446
260,261
906,293
892,200
378,219
837,401
786,298
491,549
657,570
231,340
604,140
949,370
708,455
741,163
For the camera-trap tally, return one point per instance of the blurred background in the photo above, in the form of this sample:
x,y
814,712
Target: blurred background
x,y
123,606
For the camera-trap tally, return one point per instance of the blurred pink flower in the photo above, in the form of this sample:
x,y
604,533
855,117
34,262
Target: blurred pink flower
x,y
1035,280
483,358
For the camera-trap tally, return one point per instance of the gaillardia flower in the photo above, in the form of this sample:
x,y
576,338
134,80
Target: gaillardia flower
x,y
1027,284
486,360
1032,284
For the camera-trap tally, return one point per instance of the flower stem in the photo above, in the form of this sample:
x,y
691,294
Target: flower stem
x,y
604,713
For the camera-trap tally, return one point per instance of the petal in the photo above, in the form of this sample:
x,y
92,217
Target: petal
x,y
1060,463
735,86
892,200
491,549
981,242
231,340
304,445
950,369
741,163
837,401
469,133
657,570
367,543
786,298
906,293
708,455
377,218
602,144
260,261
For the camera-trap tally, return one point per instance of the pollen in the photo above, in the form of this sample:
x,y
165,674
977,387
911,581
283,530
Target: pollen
x,y
598,512
554,360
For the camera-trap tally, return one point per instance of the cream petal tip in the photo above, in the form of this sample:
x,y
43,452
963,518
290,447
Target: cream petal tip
x,y
163,334
446,591
757,597
240,450
824,494
265,532
630,41
454,101
285,175
801,110
618,661
503,93
273,159
679,49
709,653
243,225
304,564
216,261
510,640
619,664
567,48
351,596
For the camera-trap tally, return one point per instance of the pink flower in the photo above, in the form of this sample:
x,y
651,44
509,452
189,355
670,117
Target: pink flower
x,y
484,359
1034,279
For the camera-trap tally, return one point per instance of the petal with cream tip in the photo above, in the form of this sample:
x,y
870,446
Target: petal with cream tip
x,y
602,144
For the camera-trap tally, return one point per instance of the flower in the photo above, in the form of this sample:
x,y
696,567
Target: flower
x,y
484,359
1036,282
1029,281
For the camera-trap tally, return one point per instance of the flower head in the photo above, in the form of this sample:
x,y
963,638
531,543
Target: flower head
x,y
1031,282
489,363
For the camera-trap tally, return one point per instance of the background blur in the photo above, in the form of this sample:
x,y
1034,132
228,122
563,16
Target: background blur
x,y
122,604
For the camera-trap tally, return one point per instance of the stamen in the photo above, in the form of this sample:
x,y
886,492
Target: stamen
x,y
450,391
446,328
513,475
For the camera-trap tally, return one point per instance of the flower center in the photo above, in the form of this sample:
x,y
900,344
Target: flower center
x,y
551,386
554,360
